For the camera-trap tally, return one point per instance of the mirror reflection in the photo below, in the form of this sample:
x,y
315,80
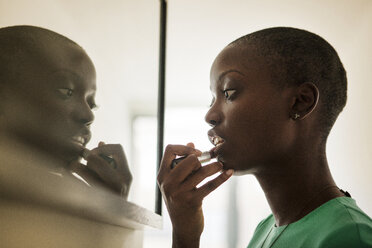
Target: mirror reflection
x,y
48,96
81,91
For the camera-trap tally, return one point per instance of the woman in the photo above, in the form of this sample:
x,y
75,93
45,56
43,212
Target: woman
x,y
276,95
47,90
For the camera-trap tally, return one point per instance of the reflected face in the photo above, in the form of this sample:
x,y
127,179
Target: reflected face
x,y
52,107
249,116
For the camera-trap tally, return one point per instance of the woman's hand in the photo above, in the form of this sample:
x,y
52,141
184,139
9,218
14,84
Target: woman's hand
x,y
107,166
182,198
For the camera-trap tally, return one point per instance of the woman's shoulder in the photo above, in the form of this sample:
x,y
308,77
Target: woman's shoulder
x,y
340,223
343,210
350,206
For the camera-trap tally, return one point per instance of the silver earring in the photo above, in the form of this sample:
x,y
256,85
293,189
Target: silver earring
x,y
296,116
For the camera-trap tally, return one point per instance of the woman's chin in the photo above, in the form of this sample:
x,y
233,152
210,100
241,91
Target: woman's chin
x,y
236,166
69,154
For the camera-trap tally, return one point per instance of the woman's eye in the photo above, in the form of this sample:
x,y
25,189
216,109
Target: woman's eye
x,y
228,93
66,92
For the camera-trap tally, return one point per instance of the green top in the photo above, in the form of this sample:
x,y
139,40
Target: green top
x,y
337,223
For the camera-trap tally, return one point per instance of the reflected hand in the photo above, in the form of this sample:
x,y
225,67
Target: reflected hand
x,y
182,198
107,165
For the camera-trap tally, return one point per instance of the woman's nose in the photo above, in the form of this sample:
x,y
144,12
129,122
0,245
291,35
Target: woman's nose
x,y
85,114
213,117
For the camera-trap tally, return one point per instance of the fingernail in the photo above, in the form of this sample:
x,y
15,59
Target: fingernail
x,y
229,172
190,144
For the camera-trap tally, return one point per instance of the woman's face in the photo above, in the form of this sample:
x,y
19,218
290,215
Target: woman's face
x,y
250,117
52,107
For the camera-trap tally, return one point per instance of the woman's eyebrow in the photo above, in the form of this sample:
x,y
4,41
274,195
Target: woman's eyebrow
x,y
77,79
228,71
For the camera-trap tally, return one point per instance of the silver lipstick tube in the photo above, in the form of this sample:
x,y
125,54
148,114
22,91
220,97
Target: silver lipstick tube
x,y
203,158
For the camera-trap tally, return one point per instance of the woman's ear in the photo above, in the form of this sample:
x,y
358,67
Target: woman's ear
x,y
305,101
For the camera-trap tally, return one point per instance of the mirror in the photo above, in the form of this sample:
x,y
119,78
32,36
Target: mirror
x,y
122,40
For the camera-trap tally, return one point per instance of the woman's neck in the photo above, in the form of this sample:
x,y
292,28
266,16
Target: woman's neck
x,y
297,187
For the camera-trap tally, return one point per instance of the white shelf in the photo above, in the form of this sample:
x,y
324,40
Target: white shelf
x,y
35,185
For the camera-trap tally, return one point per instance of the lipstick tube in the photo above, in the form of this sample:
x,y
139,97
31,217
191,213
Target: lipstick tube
x,y
203,158
109,159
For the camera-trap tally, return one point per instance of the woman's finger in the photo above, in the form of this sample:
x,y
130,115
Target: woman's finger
x,y
185,168
207,188
172,151
201,174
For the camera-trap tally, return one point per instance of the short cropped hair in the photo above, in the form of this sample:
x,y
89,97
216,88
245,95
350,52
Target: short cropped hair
x,y
296,56
18,44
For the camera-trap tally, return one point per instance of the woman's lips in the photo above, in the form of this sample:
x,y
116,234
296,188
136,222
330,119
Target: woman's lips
x,y
217,141
81,139
215,150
